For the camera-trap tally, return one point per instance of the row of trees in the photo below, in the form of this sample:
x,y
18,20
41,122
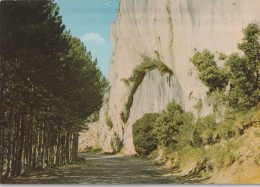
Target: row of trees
x,y
49,85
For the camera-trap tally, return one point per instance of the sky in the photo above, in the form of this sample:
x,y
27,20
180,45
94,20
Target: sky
x,y
90,20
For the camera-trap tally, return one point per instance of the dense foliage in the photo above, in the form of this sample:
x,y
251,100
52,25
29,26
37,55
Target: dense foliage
x,y
174,130
244,71
214,141
169,122
144,137
241,72
215,78
48,86
162,129
203,131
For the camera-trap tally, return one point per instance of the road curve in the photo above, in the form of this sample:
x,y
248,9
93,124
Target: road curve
x,y
101,169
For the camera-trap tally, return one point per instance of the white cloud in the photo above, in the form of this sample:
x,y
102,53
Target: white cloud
x,y
93,38
108,3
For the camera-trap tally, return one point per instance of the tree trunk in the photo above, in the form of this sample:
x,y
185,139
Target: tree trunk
x,y
30,140
3,151
19,159
15,145
35,147
75,146
58,149
9,150
67,152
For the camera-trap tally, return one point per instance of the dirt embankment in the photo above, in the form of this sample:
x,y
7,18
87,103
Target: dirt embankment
x,y
232,161
245,165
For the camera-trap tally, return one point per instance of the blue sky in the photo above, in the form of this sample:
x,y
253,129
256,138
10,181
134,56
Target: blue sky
x,y
90,20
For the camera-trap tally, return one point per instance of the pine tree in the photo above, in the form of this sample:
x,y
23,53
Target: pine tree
x,y
49,85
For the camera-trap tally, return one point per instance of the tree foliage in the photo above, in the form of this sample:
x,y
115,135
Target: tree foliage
x,y
168,124
244,71
143,134
238,81
49,85
241,72
204,128
215,78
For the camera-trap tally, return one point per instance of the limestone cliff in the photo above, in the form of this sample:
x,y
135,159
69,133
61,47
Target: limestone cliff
x,y
163,34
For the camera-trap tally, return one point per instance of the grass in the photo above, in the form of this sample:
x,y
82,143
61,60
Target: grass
x,y
234,125
222,151
257,134
94,150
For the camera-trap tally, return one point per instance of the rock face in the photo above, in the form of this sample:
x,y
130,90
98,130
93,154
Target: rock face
x,y
171,30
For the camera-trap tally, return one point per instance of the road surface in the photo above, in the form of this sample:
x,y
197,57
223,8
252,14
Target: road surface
x,y
101,169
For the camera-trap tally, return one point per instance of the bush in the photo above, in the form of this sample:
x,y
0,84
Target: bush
x,y
169,123
203,131
109,123
222,56
118,143
143,134
184,137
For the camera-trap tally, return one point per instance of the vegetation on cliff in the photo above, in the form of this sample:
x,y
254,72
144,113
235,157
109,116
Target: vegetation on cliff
x,y
240,73
49,85
215,147
215,78
216,144
137,77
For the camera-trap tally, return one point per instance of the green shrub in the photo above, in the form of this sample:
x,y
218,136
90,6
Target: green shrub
x,y
151,64
215,78
227,129
222,56
184,137
169,122
126,81
123,116
203,131
198,107
242,73
118,143
143,134
109,123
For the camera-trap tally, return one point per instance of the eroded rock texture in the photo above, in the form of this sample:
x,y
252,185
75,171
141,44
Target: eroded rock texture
x,y
171,30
